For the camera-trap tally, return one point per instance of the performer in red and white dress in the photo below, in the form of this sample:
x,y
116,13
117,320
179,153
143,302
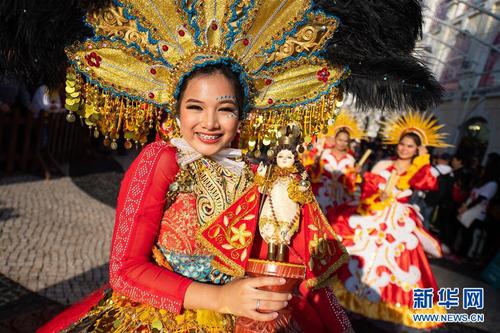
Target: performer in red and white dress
x,y
385,236
334,175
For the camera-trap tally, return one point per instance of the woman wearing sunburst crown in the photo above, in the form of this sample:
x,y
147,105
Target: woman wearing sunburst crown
x,y
384,235
198,72
334,174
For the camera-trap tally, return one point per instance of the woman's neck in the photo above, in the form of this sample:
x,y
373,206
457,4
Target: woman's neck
x,y
402,165
337,152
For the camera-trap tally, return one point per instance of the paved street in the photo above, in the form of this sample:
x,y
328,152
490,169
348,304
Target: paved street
x,y
54,248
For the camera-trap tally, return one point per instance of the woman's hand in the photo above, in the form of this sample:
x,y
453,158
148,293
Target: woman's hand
x,y
384,196
422,150
243,298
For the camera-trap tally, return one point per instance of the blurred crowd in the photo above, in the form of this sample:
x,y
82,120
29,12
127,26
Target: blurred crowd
x,y
16,94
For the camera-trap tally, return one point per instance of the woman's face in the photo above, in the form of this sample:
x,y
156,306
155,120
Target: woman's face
x,y
456,163
285,159
342,141
407,148
209,113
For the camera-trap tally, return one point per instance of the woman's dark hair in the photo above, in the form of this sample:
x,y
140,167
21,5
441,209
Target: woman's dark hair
x,y
343,130
216,69
413,136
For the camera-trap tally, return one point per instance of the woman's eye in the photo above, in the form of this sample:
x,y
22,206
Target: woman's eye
x,y
229,113
194,107
230,110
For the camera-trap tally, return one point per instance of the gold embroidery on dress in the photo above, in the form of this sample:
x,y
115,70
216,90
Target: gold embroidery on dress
x,y
215,187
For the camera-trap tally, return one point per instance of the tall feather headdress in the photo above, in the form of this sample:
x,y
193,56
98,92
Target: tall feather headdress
x,y
422,124
384,74
345,120
130,71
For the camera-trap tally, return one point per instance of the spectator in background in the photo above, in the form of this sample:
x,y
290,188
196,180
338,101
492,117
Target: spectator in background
x,y
46,100
484,190
13,92
438,212
460,192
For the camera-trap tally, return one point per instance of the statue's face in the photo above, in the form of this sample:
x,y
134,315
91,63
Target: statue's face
x,y
285,159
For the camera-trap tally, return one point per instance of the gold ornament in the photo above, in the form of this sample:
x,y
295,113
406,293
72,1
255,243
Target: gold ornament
x,y
126,78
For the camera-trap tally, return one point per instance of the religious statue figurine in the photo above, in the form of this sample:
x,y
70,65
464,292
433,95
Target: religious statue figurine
x,y
285,188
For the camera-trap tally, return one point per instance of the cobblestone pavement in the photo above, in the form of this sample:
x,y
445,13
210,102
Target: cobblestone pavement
x,y
54,247
54,244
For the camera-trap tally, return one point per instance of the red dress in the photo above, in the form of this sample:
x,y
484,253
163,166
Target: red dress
x,y
386,241
333,180
157,253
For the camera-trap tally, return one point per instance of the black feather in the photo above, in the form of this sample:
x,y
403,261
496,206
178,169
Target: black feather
x,y
376,40
394,83
34,34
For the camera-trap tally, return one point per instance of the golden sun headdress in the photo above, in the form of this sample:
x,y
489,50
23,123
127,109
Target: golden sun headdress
x,y
127,76
345,120
422,124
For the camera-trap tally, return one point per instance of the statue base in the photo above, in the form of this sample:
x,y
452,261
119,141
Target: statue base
x,y
294,275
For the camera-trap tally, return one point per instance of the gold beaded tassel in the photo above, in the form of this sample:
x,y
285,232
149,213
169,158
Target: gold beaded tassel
x,y
73,94
262,128
109,115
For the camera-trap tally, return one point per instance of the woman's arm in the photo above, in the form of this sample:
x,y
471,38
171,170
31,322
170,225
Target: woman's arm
x,y
139,211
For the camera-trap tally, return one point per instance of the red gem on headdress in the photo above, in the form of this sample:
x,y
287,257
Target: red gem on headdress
x,y
181,33
268,82
164,48
153,71
270,101
93,59
323,75
246,41
151,95
215,26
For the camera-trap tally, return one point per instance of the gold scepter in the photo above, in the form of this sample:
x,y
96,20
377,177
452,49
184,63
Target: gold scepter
x,y
271,249
391,182
364,158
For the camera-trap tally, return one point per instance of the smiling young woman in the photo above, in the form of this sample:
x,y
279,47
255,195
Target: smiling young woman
x,y
209,106
385,235
169,193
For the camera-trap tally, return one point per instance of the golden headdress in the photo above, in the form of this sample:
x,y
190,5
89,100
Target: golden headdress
x,y
128,74
422,124
345,120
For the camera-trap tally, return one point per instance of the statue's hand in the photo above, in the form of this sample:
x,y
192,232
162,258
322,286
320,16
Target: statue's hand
x,y
303,188
304,185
